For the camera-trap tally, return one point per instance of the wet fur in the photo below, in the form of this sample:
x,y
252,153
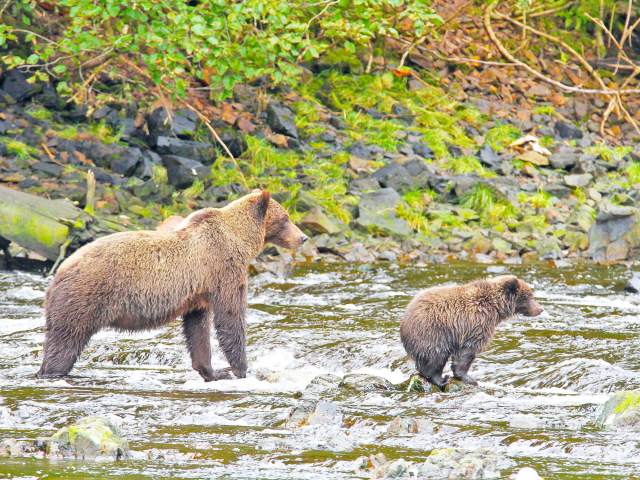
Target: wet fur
x,y
196,269
458,322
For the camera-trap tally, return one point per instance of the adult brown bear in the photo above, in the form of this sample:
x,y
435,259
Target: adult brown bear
x,y
196,269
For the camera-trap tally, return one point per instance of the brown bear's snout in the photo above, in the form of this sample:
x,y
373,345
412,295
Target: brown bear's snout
x,y
534,309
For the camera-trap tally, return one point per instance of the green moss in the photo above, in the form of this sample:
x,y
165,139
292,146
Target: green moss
x,y
501,136
633,173
414,217
609,154
382,133
19,149
467,164
493,209
419,199
630,400
545,110
68,133
40,113
194,191
540,199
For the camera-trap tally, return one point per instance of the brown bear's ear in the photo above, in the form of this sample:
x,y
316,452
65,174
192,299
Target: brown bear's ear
x,y
511,285
263,204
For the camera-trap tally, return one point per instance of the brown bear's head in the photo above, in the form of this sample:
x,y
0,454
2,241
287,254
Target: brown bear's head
x,y
521,294
279,229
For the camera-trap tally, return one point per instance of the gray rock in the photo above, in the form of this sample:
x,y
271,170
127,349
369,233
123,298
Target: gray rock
x,y
578,179
181,123
564,159
422,149
281,120
202,152
127,163
621,411
50,169
367,152
557,190
235,142
145,167
615,233
548,248
394,176
567,131
15,85
182,172
403,426
314,413
633,284
89,438
377,210
317,222
365,383
364,184
489,157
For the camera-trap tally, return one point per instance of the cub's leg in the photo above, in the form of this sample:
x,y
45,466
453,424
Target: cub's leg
x,y
197,330
460,365
62,347
430,367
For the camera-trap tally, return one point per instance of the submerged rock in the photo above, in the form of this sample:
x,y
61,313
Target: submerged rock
x,y
365,383
314,413
449,463
401,426
633,284
417,383
526,473
621,410
90,437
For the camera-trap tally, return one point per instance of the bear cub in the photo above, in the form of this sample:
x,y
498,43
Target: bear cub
x,y
459,322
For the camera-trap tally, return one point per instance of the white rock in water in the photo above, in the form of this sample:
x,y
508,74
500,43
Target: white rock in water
x,y
526,473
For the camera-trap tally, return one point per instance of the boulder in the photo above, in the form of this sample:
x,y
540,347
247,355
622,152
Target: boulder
x,y
314,413
633,284
567,131
89,438
181,123
317,222
281,119
564,159
202,152
489,157
403,426
127,162
365,383
15,85
182,172
615,233
394,176
621,410
377,210
578,179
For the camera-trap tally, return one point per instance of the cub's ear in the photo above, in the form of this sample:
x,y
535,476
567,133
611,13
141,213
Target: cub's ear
x,y
263,204
511,285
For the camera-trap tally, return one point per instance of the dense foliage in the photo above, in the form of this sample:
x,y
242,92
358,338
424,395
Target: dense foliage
x,y
220,42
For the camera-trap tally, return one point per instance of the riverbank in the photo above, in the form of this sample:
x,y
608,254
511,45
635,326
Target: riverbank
x,y
373,167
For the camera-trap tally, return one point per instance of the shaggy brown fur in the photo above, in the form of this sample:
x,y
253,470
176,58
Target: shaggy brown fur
x,y
459,322
141,280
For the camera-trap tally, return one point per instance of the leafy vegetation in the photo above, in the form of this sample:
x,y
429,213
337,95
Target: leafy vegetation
x,y
220,43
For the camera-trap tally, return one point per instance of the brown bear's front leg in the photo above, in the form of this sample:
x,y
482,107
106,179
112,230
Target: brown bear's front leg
x,y
197,330
229,319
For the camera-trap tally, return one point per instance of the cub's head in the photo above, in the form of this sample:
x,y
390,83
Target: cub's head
x,y
521,294
279,229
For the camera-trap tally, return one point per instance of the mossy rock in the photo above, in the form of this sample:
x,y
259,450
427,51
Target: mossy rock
x,y
90,437
621,410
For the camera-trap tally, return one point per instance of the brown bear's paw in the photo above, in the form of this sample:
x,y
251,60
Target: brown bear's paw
x,y
211,375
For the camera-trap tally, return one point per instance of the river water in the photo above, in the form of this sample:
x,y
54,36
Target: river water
x,y
541,381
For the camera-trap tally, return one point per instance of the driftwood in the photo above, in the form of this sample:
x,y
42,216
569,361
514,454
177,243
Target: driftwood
x,y
38,224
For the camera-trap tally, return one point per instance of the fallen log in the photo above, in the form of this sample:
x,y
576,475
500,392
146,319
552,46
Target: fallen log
x,y
38,224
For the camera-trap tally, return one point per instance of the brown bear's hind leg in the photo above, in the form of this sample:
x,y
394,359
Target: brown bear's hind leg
x,y
461,363
197,330
430,367
62,347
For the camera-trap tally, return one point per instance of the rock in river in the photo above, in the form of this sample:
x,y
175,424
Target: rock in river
x,y
90,437
615,234
621,410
